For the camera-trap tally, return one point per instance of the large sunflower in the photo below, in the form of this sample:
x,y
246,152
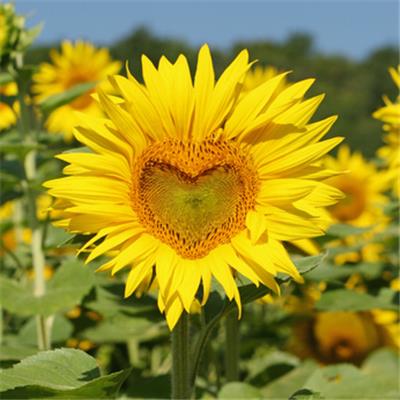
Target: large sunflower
x,y
77,63
189,181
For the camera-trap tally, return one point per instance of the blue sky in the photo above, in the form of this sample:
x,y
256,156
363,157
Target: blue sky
x,y
348,27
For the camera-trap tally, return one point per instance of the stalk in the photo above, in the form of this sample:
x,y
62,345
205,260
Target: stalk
x,y
180,376
232,342
38,259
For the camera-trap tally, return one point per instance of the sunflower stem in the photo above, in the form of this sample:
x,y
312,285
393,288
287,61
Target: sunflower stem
x,y
180,376
38,260
232,342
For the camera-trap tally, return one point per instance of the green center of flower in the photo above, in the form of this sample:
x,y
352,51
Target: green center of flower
x,y
193,197
193,207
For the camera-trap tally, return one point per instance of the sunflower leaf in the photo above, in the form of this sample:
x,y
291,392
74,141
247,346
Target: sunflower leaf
x,y
69,285
349,300
61,99
61,373
345,230
239,390
345,381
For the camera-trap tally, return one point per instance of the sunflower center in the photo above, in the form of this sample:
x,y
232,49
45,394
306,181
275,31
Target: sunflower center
x,y
343,350
353,205
193,196
77,78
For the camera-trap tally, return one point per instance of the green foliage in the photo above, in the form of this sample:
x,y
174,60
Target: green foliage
x,y
344,230
117,333
61,373
239,390
350,382
70,283
57,100
291,382
348,300
377,378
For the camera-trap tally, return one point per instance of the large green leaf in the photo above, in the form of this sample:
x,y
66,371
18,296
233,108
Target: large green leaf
x,y
121,328
16,351
239,390
71,282
344,381
383,363
289,383
109,300
61,373
269,364
349,300
61,330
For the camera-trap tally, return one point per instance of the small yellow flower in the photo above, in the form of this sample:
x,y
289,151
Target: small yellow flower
x,y
48,272
77,63
74,312
395,285
339,336
14,236
3,29
364,187
8,113
390,116
194,180
259,75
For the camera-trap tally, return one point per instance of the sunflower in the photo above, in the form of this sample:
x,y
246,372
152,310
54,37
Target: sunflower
x,y
8,113
363,187
390,116
194,180
259,75
343,336
77,63
10,236
7,18
3,28
363,205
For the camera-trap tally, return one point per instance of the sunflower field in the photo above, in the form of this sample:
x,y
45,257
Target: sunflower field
x,y
193,223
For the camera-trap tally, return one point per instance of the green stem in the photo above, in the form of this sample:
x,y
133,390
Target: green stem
x,y
180,377
133,351
38,260
232,342
41,332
